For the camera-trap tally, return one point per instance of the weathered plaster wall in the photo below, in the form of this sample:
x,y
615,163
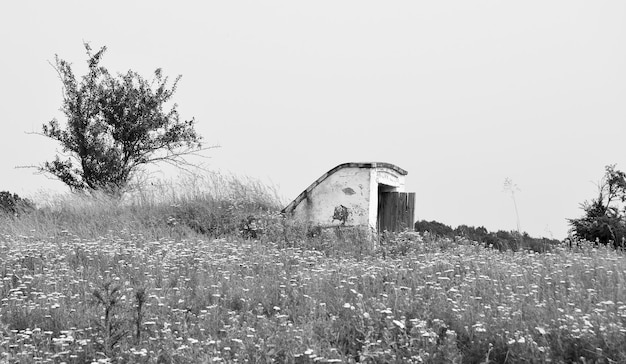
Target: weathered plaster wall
x,y
341,199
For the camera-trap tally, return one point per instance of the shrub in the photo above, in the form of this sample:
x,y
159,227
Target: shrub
x,y
115,126
604,221
433,227
12,204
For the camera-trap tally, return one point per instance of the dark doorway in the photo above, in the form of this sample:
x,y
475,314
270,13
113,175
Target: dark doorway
x,y
396,210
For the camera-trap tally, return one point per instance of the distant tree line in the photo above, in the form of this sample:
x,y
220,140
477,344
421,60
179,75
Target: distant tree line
x,y
502,240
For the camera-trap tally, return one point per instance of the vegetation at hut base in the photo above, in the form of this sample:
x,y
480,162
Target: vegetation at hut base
x,y
175,275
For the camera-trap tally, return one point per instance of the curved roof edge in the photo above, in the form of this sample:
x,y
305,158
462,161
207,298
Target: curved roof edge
x,y
304,194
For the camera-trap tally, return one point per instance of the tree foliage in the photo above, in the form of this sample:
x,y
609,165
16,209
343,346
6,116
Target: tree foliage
x,y
116,124
604,218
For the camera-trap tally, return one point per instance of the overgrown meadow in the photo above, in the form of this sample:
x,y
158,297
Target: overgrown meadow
x,y
178,275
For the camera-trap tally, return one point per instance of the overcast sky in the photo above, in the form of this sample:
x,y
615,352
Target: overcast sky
x,y
462,94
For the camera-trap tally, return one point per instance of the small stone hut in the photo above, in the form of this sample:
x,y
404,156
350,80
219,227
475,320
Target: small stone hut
x,y
357,194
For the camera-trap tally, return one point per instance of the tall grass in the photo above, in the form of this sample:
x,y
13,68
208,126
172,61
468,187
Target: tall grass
x,y
212,204
81,291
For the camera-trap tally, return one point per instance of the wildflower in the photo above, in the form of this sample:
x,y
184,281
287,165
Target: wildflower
x,y
478,327
399,324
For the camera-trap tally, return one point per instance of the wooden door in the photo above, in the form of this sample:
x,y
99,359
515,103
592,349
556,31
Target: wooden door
x,y
396,211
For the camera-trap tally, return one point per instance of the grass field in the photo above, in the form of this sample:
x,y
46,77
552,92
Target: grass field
x,y
141,283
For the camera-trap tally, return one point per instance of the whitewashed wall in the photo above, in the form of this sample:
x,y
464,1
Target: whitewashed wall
x,y
348,187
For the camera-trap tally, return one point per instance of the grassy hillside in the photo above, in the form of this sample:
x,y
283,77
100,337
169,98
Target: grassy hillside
x,y
179,278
